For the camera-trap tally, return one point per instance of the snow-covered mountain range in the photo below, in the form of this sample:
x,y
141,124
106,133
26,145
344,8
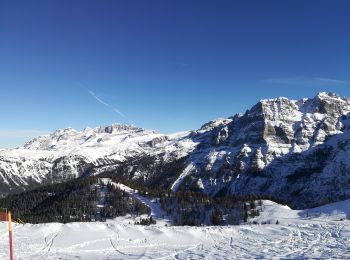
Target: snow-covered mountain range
x,y
292,150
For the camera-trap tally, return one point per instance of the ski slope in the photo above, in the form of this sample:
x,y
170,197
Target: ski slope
x,y
156,212
316,233
182,177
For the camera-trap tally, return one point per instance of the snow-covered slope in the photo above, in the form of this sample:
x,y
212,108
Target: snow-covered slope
x,y
299,235
293,150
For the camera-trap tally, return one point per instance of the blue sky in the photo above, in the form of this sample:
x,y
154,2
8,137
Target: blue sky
x,y
163,65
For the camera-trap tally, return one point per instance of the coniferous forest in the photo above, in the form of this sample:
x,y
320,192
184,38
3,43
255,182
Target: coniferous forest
x,y
72,201
90,199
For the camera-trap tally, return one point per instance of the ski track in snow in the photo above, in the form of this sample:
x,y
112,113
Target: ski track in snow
x,y
156,211
297,236
242,242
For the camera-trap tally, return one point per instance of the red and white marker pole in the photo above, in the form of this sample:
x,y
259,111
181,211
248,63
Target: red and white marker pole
x,y
5,215
10,233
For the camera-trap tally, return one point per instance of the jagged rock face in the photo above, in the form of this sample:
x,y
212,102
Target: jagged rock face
x,y
291,150
278,148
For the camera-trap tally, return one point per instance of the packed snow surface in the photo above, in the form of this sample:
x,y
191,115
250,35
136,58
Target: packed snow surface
x,y
322,232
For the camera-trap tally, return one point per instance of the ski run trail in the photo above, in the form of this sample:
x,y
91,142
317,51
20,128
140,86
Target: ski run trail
x,y
321,233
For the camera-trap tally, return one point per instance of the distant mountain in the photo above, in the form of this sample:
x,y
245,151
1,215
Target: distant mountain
x,y
293,150
66,154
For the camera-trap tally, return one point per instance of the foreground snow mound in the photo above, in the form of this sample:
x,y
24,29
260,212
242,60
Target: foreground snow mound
x,y
271,212
334,211
297,236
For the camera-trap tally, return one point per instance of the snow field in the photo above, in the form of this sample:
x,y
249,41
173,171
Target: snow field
x,y
316,233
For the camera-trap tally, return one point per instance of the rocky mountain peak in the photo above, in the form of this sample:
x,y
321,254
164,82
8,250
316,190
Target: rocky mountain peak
x,y
215,123
69,138
328,95
115,128
326,103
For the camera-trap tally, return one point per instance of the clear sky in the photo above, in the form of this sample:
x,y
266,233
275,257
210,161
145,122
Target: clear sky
x,y
167,65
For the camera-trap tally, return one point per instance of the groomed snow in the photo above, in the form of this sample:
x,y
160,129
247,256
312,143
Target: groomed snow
x,y
316,233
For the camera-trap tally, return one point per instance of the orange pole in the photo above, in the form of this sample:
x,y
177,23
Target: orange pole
x,y
10,233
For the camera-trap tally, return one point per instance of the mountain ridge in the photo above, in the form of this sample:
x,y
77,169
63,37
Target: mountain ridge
x,y
279,147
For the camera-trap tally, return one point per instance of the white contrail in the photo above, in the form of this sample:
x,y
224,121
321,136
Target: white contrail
x,y
308,81
336,81
116,110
